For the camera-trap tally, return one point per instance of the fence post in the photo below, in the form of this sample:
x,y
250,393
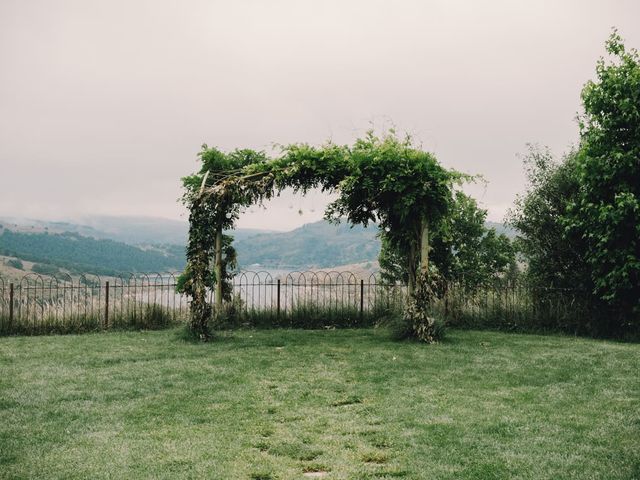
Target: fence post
x,y
361,298
106,305
278,301
11,304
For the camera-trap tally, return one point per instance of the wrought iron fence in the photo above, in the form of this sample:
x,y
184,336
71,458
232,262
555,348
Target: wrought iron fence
x,y
514,306
38,304
324,291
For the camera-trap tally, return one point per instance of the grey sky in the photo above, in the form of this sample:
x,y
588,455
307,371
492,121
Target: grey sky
x,y
104,104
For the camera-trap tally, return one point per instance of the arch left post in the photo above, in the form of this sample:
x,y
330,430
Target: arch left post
x,y
198,261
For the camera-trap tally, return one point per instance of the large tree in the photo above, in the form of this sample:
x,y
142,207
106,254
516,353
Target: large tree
x,y
579,222
463,249
555,257
606,212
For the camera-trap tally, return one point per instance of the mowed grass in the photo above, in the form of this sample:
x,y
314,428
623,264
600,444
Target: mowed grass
x,y
352,403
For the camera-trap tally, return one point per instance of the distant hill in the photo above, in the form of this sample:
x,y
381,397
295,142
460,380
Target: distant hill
x,y
80,254
126,229
108,245
314,245
318,245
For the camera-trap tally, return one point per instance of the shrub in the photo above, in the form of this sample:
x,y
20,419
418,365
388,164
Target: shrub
x,y
15,263
45,269
418,316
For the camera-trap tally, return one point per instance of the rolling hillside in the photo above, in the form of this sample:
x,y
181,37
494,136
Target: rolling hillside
x,y
125,229
99,248
77,253
314,245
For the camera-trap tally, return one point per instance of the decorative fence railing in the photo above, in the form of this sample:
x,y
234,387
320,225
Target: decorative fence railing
x,y
37,304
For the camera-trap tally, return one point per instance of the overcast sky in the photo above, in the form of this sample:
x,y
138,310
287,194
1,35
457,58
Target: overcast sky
x,y
104,104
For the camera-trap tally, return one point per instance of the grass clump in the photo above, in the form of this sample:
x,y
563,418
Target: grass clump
x,y
46,321
305,315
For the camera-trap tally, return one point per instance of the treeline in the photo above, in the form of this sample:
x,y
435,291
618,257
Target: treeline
x,y
80,254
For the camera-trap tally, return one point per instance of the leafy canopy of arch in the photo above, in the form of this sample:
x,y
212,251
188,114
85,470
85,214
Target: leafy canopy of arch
x,y
382,179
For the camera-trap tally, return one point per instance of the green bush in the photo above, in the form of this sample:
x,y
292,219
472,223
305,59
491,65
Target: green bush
x,y
401,329
45,269
15,263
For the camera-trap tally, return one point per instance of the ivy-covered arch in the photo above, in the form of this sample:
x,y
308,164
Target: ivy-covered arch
x,y
381,179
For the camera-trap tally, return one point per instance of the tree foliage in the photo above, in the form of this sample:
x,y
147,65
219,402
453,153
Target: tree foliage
x,y
579,222
79,253
606,212
555,258
463,249
399,186
466,251
15,263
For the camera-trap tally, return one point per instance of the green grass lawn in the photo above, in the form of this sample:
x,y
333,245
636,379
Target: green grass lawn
x,y
353,403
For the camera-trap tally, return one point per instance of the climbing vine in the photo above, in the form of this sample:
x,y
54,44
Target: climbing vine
x,y
382,179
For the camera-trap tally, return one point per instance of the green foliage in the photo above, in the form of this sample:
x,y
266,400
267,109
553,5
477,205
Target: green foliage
x,y
555,257
398,185
393,263
419,315
197,275
579,221
229,264
15,263
466,251
463,249
394,183
606,210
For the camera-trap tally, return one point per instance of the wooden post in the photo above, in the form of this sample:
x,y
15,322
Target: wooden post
x,y
412,270
106,305
218,267
278,301
11,294
424,247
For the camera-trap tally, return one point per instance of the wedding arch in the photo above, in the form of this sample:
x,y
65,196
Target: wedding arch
x,y
382,179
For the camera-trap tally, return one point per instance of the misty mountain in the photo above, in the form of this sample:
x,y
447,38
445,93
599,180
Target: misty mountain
x,y
106,245
133,230
320,244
